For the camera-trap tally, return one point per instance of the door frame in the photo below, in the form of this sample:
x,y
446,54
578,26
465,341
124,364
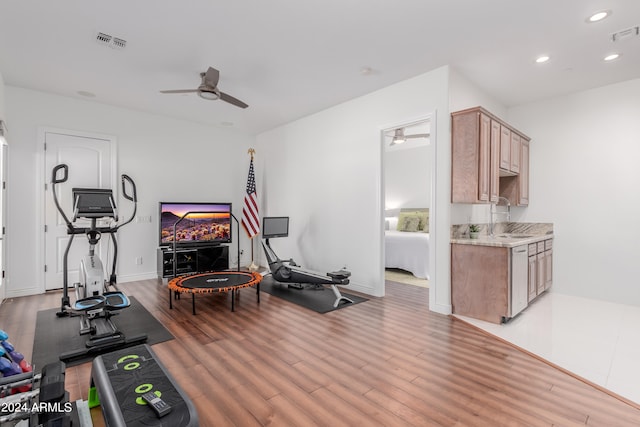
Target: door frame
x,y
43,185
432,118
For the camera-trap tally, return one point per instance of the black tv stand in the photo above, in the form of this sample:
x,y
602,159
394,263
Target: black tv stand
x,y
196,259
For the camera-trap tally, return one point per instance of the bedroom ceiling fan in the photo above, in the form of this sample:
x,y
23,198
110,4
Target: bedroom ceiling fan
x,y
399,137
208,89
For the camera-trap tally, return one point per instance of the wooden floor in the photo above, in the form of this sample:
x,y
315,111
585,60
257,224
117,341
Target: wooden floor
x,y
384,362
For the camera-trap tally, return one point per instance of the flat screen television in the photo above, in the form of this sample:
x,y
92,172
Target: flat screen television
x,y
208,224
275,226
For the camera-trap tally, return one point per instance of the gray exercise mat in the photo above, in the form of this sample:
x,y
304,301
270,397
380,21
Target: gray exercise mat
x,y
56,335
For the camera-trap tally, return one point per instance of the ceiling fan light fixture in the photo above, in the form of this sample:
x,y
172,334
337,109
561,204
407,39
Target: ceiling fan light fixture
x,y
208,95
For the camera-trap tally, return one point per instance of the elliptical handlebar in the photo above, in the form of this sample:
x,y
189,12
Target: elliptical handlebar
x,y
133,197
55,180
126,178
54,175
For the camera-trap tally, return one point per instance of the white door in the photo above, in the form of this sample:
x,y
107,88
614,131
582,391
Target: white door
x,y
3,211
90,166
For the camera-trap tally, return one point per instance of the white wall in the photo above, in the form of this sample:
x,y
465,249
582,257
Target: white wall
x,y
463,94
325,172
2,96
585,154
169,159
408,178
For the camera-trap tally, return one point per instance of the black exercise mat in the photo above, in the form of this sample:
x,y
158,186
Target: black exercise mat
x,y
317,299
56,335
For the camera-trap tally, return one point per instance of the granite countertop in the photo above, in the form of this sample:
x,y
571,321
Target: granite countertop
x,y
506,235
503,240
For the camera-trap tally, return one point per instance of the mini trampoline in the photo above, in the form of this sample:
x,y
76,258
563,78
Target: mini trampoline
x,y
219,281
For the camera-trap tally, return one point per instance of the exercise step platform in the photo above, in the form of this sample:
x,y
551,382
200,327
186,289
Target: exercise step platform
x,y
119,380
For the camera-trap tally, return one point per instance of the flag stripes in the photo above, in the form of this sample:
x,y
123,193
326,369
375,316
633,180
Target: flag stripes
x,y
250,218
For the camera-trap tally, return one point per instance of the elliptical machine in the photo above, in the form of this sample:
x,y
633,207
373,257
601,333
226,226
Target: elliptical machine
x,y
97,299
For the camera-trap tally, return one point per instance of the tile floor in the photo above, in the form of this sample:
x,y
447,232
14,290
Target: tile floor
x,y
597,340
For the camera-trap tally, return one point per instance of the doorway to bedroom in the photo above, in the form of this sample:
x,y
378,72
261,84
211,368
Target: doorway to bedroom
x,y
407,169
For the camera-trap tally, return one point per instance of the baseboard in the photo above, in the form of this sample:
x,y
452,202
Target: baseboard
x,y
16,293
124,278
445,309
360,288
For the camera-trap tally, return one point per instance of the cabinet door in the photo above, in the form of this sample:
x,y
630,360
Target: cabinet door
x,y
540,269
505,147
523,197
548,269
494,172
465,158
214,258
514,159
533,285
484,157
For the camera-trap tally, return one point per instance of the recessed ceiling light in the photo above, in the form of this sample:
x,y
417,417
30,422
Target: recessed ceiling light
x,y
612,57
599,16
365,71
542,59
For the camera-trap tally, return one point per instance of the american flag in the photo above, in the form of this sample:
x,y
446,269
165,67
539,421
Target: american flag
x,y
250,220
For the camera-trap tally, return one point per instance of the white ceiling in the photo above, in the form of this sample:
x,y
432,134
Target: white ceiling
x,y
291,58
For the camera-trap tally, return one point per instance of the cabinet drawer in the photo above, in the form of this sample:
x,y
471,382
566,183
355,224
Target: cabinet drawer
x,y
533,249
548,244
540,247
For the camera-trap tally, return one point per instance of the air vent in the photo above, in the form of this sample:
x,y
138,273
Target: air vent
x,y
625,34
103,38
112,42
118,43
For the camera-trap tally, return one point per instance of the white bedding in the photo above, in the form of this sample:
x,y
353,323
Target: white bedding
x,y
408,251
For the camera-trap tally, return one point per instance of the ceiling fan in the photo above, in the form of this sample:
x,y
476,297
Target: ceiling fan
x,y
399,137
208,89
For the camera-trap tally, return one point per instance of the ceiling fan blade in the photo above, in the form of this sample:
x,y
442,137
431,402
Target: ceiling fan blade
x,y
418,135
231,100
179,91
211,77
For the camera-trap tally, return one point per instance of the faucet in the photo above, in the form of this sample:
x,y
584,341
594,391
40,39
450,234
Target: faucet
x,y
493,212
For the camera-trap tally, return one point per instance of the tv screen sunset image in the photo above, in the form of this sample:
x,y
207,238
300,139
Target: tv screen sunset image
x,y
204,223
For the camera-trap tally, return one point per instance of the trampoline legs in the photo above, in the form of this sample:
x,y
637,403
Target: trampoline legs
x,y
211,282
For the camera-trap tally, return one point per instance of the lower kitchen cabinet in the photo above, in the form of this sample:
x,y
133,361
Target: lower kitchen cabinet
x,y
540,267
488,282
494,283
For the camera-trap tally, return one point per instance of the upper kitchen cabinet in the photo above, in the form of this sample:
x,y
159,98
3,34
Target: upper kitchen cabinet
x,y
516,187
475,156
489,159
510,151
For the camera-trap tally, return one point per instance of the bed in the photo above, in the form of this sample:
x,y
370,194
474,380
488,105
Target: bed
x,y
407,242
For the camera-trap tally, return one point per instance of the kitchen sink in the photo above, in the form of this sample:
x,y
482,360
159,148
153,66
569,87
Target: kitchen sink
x,y
514,236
